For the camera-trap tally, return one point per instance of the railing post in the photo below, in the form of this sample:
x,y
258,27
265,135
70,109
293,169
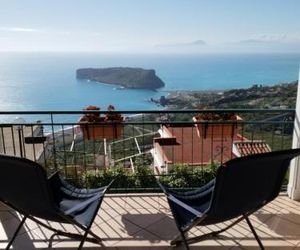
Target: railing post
x,y
294,178
1,141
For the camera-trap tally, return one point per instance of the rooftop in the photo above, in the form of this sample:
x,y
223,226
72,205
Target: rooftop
x,y
194,150
143,221
244,148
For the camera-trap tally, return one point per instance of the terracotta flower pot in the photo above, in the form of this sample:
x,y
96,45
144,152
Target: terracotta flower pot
x,y
100,131
94,126
217,130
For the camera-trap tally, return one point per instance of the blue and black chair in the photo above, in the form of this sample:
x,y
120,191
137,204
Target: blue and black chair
x,y
25,187
241,187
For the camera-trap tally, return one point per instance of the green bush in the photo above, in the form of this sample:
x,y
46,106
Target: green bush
x,y
185,176
181,176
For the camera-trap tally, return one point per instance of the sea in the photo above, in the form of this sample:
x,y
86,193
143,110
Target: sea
x,y
47,81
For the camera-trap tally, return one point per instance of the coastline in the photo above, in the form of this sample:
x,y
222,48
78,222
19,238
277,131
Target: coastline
x,y
282,95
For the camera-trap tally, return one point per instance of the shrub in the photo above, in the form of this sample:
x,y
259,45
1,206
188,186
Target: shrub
x,y
182,176
185,176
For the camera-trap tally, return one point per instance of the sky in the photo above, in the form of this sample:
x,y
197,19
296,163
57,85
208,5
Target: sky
x,y
150,26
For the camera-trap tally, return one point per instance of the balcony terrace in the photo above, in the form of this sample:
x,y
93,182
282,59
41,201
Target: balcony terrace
x,y
143,221
149,145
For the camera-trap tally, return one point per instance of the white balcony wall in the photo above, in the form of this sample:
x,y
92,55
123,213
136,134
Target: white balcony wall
x,y
294,179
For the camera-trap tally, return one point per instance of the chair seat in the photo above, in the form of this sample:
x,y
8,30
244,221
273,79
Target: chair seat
x,y
187,217
200,202
83,216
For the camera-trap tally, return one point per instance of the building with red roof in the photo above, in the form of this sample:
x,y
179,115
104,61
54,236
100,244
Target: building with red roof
x,y
183,145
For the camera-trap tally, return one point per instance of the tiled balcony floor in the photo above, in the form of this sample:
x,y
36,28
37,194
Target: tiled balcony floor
x,y
144,222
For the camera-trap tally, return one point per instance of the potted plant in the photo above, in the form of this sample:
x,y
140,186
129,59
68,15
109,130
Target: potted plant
x,y
206,127
94,126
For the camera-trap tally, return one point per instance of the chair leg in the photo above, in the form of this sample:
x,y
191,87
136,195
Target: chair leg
x,y
184,240
51,240
83,239
180,239
95,236
96,239
16,232
74,236
254,232
202,237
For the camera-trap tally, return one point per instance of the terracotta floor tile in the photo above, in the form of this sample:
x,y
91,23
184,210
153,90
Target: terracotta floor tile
x,y
115,230
163,204
115,202
193,247
6,215
143,248
27,241
286,200
278,229
3,207
165,229
8,227
142,238
142,202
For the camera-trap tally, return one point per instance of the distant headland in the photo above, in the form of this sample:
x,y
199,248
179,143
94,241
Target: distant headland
x,y
134,78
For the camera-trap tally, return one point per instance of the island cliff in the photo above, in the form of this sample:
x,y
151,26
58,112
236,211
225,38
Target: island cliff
x,y
135,78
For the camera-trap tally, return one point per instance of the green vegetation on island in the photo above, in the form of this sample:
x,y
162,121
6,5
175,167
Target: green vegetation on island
x,y
136,78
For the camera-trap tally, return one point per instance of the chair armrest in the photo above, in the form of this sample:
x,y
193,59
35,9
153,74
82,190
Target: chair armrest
x,y
80,191
83,193
204,195
53,176
185,206
163,188
202,189
108,186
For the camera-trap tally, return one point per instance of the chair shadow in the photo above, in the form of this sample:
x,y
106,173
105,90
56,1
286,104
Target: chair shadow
x,y
148,220
277,223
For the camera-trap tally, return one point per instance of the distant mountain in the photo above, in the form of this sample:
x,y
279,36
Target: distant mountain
x,y
135,78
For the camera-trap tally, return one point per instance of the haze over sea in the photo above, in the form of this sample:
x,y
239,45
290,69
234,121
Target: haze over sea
x,y
47,81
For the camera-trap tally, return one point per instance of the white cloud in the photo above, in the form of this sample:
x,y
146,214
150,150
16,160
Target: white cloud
x,y
271,38
194,43
18,29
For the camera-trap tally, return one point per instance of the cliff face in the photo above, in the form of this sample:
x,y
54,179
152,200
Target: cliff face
x,y
136,78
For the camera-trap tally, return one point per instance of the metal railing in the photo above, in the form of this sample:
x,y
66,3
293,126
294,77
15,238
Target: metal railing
x,y
166,143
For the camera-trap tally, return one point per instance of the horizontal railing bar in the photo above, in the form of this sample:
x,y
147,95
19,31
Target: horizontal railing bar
x,y
146,111
147,123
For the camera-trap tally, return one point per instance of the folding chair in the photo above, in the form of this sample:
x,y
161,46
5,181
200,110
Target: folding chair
x,y
241,187
25,188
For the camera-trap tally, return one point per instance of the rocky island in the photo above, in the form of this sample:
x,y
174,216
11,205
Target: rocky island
x,y
134,78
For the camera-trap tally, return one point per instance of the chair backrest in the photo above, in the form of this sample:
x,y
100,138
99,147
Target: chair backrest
x,y
23,185
245,184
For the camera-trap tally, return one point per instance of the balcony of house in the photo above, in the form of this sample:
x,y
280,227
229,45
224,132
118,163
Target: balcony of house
x,y
181,149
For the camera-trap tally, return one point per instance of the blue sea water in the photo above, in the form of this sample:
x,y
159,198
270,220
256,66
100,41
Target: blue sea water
x,y
47,81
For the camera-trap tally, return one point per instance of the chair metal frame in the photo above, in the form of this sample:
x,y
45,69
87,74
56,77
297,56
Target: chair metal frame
x,y
181,238
90,196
